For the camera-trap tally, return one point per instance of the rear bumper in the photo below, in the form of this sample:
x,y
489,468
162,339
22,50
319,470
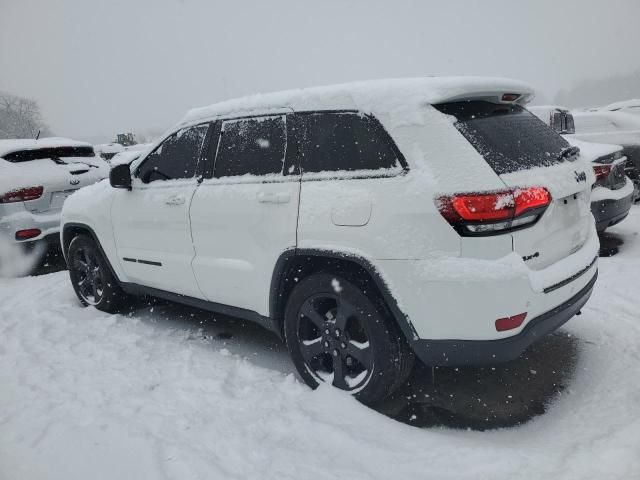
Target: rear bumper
x,y
48,223
482,352
609,212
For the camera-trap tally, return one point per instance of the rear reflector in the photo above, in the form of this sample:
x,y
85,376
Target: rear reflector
x,y
492,212
601,171
28,233
509,323
22,195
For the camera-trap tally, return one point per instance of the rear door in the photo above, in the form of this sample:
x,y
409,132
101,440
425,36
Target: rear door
x,y
151,224
245,216
525,152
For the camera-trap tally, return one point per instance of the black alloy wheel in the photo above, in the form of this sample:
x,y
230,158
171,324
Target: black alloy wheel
x,y
338,331
334,342
89,277
92,278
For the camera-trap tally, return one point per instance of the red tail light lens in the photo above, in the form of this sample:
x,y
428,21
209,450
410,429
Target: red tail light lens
x,y
531,198
601,171
28,233
494,212
22,195
482,207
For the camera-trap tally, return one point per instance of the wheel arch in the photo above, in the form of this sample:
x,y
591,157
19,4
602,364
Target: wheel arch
x,y
295,264
72,230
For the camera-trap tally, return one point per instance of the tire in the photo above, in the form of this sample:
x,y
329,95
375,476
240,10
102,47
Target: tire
x,y
340,332
92,279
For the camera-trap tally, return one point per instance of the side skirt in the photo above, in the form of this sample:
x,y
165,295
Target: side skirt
x,y
244,314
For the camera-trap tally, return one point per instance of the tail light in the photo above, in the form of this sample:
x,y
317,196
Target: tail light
x,y
491,213
601,171
28,233
22,195
510,97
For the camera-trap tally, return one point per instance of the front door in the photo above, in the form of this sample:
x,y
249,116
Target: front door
x,y
151,222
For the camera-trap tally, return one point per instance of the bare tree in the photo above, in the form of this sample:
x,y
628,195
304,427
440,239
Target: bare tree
x,y
20,117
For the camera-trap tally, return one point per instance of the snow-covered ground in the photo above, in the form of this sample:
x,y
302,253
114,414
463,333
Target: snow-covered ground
x,y
86,395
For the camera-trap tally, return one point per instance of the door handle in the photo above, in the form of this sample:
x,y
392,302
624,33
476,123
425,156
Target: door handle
x,y
281,197
175,200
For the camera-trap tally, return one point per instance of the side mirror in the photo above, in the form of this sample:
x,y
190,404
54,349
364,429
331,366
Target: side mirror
x,y
120,176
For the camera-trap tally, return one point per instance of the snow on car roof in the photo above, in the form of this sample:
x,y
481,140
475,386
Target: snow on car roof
x,y
19,144
379,95
593,151
633,103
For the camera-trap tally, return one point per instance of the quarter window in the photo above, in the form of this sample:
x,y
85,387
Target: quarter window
x,y
347,141
251,146
176,157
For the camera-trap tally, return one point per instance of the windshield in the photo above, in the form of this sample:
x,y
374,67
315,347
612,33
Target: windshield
x,y
51,152
508,137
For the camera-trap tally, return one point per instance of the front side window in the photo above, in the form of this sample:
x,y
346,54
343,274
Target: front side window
x,y
176,157
251,146
344,141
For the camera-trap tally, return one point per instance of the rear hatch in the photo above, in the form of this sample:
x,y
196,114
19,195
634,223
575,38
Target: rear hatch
x,y
524,152
59,170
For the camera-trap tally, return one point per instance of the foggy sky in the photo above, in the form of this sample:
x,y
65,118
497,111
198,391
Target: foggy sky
x,y
101,67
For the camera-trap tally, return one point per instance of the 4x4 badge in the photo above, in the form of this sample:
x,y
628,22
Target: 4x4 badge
x,y
580,176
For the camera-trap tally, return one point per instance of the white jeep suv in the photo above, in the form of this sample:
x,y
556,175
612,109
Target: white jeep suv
x,y
364,223
36,176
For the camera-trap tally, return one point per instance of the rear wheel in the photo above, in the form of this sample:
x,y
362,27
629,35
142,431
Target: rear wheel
x,y
92,279
339,335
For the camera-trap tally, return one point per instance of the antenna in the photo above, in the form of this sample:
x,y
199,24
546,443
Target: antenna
x,y
38,136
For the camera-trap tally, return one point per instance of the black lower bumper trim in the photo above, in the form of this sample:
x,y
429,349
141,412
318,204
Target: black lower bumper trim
x,y
609,212
486,352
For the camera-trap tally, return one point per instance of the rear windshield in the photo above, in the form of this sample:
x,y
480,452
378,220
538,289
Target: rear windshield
x,y
53,152
509,137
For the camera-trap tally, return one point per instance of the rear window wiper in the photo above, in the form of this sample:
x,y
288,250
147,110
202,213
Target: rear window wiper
x,y
568,152
59,161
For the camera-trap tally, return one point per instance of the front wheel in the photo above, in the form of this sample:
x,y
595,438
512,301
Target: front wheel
x,y
337,334
92,279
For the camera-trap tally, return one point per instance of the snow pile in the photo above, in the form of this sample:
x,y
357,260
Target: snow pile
x,y
15,261
84,394
625,105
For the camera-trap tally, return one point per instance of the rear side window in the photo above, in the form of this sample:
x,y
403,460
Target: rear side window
x,y
509,137
251,146
176,157
343,141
